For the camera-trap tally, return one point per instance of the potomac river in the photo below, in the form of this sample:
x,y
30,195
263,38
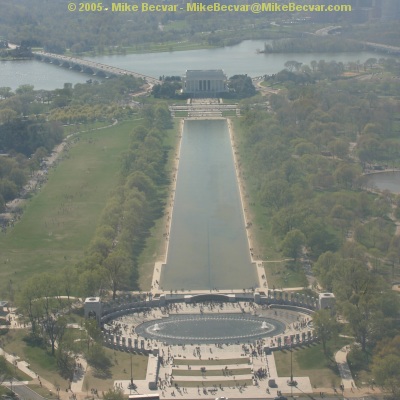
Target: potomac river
x,y
238,59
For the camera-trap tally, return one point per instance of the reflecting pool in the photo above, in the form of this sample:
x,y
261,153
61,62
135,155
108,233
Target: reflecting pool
x,y
208,247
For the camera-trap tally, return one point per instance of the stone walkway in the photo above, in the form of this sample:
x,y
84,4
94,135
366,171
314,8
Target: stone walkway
x,y
204,389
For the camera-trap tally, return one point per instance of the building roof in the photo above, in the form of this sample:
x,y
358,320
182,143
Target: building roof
x,y
205,74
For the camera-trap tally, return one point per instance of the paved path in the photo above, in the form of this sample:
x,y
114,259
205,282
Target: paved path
x,y
79,375
25,368
344,370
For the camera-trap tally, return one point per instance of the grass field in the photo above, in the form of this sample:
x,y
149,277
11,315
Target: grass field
x,y
45,365
222,361
285,275
211,372
223,383
120,370
60,220
310,361
40,360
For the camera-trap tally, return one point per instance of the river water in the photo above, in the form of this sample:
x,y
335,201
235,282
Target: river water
x,y
208,245
239,59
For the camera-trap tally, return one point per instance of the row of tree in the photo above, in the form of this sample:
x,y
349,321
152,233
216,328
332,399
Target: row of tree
x,y
311,44
306,153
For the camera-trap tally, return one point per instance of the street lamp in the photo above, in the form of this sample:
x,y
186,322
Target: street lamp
x,y
132,386
131,373
291,382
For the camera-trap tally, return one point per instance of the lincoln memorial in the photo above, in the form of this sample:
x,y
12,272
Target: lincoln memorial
x,y
204,83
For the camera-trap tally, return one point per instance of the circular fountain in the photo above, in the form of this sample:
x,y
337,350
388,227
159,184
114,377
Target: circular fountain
x,y
210,328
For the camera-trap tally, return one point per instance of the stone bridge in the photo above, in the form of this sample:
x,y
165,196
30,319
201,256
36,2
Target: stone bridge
x,y
89,67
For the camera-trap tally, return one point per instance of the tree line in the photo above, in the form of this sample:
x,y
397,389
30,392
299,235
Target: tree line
x,y
306,153
111,261
30,123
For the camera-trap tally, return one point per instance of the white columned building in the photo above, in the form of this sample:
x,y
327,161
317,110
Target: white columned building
x,y
204,83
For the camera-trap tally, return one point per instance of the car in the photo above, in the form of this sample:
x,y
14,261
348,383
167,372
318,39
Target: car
x,y
280,398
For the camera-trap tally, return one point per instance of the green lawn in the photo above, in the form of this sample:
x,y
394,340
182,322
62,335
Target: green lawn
x,y
59,221
223,383
45,365
210,372
222,361
120,370
285,274
39,359
310,361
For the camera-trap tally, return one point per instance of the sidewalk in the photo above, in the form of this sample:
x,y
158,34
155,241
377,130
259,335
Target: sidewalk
x,y
344,370
24,367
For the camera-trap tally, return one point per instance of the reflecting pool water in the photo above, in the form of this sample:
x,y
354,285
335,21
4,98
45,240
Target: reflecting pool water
x,y
208,247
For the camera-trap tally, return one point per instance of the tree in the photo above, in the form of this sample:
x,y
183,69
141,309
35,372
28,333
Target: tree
x,y
386,365
7,115
275,194
5,92
54,328
65,362
292,64
345,176
98,359
370,62
114,394
69,279
293,242
93,331
326,328
6,372
117,269
242,86
325,268
360,297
